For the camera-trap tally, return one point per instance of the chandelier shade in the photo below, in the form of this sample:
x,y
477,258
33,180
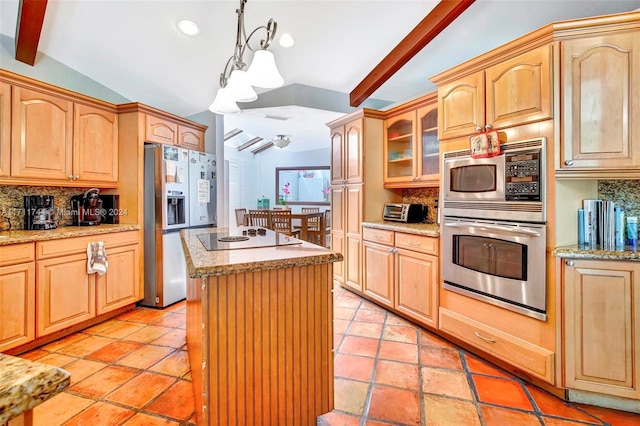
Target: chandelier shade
x,y
236,83
223,103
281,141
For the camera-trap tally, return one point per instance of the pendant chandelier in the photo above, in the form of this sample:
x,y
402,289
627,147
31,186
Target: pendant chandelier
x,y
236,83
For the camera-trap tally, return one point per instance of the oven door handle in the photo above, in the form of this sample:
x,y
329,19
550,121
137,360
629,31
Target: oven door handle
x,y
496,228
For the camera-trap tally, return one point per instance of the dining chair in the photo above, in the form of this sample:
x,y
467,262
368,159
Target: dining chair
x,y
260,218
327,227
281,222
240,216
316,230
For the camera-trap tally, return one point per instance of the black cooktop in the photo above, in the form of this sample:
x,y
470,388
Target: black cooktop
x,y
253,238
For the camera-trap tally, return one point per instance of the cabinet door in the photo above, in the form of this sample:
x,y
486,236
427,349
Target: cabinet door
x,y
65,293
161,130
338,211
190,138
120,285
602,326
353,235
17,305
378,272
428,145
41,136
5,129
461,106
400,148
353,152
518,91
337,156
95,144
600,102
417,286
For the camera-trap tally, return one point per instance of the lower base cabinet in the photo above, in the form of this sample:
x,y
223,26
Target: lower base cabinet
x,y
401,272
17,295
601,308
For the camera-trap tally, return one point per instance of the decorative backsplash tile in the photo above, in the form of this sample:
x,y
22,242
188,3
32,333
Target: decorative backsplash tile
x,y
623,192
426,196
12,202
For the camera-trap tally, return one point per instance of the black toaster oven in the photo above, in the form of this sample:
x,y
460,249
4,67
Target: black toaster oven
x,y
404,212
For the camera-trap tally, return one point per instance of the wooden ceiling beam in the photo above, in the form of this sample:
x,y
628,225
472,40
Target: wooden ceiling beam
x,y
28,29
433,24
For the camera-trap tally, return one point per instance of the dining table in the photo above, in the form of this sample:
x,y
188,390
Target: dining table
x,y
304,221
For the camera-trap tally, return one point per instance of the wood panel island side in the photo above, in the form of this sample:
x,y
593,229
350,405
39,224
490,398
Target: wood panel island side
x,y
259,331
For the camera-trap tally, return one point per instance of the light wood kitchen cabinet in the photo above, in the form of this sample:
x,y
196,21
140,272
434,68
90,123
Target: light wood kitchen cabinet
x,y
411,145
601,309
355,198
58,142
5,129
511,92
161,130
600,106
95,144
401,273
17,295
66,295
41,136
190,138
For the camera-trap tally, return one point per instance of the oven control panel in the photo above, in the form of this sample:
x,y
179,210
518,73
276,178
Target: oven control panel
x,y
522,175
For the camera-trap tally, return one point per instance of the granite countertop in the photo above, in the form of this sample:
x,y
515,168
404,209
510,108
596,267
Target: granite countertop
x,y
25,384
428,229
21,236
203,263
597,253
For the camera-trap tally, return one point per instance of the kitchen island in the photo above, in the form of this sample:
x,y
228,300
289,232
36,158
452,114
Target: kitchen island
x,y
259,328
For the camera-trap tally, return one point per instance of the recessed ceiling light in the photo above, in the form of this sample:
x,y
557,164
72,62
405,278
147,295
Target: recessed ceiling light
x,y
286,40
188,27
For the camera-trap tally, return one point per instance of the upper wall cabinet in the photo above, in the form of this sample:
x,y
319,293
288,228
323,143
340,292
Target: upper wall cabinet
x,y
5,129
511,92
600,105
346,153
95,144
165,131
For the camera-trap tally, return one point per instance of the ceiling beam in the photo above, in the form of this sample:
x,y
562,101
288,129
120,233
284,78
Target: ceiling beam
x,y
232,133
261,148
433,24
28,29
250,142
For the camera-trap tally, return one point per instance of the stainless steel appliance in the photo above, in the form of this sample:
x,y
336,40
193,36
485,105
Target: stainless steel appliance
x,y
166,211
202,189
246,240
502,263
87,208
111,210
409,213
39,212
508,186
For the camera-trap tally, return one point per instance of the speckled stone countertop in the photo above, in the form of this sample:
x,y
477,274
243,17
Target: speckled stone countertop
x,y
428,229
597,253
20,236
25,384
203,263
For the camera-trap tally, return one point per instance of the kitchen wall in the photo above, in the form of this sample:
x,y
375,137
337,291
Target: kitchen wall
x,y
12,202
426,196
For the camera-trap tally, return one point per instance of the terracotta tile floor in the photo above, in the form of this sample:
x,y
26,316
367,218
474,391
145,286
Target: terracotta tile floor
x,y
134,370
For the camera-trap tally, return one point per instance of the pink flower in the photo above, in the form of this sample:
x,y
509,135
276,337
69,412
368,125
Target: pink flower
x,y
327,190
285,189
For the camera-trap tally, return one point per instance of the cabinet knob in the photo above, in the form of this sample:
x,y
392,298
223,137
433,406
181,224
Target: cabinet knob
x,y
70,176
391,250
77,176
478,129
488,127
570,262
569,162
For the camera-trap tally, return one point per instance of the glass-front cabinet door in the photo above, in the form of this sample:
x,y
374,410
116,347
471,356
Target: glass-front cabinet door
x,y
400,149
429,163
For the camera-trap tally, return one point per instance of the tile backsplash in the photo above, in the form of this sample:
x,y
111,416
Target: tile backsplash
x,y
12,202
426,196
626,193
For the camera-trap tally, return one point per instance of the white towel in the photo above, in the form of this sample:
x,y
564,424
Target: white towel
x,y
97,258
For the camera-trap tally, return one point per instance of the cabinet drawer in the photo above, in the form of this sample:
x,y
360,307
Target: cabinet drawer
x,y
377,235
16,253
67,246
517,352
421,243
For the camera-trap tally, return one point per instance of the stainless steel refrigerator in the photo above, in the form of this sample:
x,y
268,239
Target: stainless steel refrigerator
x,y
166,212
202,189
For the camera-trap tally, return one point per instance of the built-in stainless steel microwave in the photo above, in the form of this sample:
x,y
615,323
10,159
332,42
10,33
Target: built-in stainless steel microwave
x,y
508,186
409,213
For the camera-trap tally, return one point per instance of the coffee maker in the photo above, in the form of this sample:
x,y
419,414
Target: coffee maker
x,y
39,212
86,208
